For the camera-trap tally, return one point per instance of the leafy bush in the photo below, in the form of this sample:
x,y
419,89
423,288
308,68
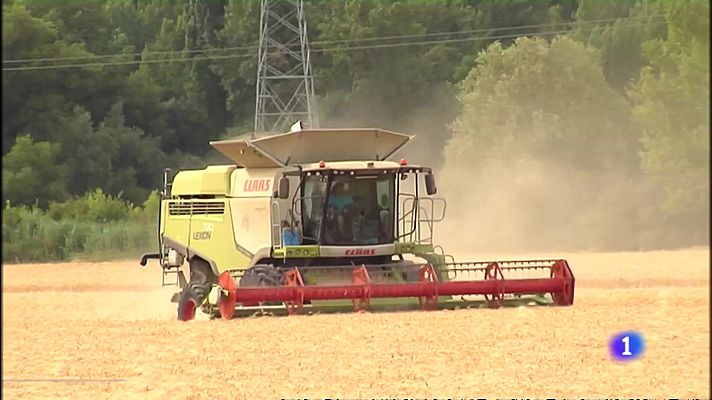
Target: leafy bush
x,y
91,225
94,206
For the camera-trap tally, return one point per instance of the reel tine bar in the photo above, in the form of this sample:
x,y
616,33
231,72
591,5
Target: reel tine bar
x,y
359,277
427,275
295,304
494,272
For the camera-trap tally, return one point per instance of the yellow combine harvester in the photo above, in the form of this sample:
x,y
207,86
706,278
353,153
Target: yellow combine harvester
x,y
321,220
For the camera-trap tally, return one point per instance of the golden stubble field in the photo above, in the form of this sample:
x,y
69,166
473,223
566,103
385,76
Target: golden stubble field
x,y
112,321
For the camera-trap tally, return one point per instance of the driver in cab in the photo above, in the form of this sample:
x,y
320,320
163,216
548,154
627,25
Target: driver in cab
x,y
340,203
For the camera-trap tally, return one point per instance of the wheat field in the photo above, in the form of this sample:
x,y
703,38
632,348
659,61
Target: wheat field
x,y
112,325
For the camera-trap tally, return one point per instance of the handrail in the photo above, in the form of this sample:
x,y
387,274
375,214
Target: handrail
x,y
276,233
404,218
428,222
442,253
442,214
426,215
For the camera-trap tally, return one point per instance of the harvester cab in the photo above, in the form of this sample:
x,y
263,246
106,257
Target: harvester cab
x,y
321,220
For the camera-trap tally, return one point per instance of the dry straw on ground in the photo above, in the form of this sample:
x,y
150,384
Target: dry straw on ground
x,y
110,321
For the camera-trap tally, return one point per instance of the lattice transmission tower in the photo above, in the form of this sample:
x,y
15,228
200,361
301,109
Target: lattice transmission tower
x,y
285,86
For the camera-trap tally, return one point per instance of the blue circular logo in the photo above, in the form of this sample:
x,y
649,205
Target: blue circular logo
x,y
627,346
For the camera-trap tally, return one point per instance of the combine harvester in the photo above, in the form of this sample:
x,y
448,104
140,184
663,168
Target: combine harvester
x,y
318,220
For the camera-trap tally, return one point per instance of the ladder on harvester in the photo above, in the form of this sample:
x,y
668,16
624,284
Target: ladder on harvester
x,y
169,270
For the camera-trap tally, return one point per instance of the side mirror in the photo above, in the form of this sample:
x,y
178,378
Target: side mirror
x,y
165,192
430,184
283,191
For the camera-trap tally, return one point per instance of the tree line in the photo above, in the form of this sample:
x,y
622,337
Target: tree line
x,y
104,95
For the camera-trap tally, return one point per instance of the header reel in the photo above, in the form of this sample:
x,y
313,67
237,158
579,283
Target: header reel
x,y
427,287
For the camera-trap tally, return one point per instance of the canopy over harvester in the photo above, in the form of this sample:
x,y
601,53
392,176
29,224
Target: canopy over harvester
x,y
322,220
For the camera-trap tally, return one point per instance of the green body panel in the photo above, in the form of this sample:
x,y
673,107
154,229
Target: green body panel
x,y
213,180
176,227
210,235
413,248
220,247
310,251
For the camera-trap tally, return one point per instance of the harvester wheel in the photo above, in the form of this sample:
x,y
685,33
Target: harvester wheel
x,y
261,275
403,270
188,302
192,296
410,271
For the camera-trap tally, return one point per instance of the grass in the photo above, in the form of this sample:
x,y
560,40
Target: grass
x,y
94,227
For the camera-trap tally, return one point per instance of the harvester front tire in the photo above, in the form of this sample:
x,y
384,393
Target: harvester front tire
x,y
261,275
188,303
192,296
409,271
201,277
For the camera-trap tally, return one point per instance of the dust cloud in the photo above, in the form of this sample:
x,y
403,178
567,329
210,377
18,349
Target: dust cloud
x,y
518,202
426,118
521,204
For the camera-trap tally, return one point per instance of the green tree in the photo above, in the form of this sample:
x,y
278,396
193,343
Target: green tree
x,y
87,26
31,173
87,23
621,40
25,93
30,96
544,100
137,22
183,115
238,75
672,105
409,87
543,145
86,153
136,162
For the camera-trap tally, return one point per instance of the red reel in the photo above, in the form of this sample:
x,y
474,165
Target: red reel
x,y
226,303
496,298
294,279
427,274
561,270
359,276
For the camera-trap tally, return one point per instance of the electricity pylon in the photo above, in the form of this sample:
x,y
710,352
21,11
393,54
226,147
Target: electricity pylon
x,y
285,86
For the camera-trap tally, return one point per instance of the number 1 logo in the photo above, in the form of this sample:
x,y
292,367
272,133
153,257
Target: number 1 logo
x,y
626,346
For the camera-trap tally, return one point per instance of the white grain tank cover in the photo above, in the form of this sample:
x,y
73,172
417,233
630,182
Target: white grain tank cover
x,y
251,192
312,145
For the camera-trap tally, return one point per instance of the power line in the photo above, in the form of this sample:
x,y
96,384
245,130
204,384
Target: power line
x,y
323,42
318,50
168,52
101,64
494,37
486,30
